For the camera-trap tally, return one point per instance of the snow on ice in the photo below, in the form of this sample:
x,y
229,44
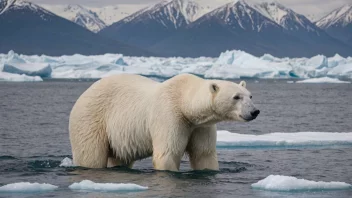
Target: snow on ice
x,y
26,187
322,80
229,65
227,139
87,185
287,183
4,76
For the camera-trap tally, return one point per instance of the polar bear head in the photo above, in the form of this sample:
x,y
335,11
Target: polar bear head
x,y
231,101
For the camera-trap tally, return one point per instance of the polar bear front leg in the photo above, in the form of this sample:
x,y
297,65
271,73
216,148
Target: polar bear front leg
x,y
169,146
166,162
202,149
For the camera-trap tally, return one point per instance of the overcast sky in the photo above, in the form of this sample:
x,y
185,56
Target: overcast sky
x,y
302,6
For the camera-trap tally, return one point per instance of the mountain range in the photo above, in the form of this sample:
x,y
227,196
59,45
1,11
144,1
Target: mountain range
x,y
152,24
99,18
173,28
30,29
338,24
180,28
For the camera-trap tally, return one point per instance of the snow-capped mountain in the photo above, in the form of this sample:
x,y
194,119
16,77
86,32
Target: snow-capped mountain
x,y
114,13
299,26
341,16
169,13
15,5
80,15
257,29
94,18
285,17
154,23
236,25
30,29
241,15
338,23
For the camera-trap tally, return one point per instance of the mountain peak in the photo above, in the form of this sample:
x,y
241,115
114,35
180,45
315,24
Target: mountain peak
x,y
80,15
241,14
285,17
9,5
179,12
239,3
274,10
341,17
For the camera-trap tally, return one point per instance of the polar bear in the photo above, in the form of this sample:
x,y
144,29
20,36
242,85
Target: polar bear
x,y
125,117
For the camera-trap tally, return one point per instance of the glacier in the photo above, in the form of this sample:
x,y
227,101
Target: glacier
x,y
229,65
289,184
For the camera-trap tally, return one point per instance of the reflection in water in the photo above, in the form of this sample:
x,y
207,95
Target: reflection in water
x,y
161,183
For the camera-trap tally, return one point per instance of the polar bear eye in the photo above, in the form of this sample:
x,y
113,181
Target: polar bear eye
x,y
236,97
250,97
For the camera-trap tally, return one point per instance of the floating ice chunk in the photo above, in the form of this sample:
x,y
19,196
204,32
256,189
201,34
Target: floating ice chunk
x,y
120,61
322,80
270,58
336,60
343,70
87,185
25,187
67,162
4,76
236,64
14,58
29,69
235,140
318,62
287,183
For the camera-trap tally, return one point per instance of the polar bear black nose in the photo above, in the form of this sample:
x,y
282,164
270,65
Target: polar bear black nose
x,y
255,113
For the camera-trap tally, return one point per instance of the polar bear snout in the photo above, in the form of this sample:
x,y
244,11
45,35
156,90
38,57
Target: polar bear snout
x,y
255,113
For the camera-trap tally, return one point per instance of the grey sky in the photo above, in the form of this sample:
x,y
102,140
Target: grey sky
x,y
301,6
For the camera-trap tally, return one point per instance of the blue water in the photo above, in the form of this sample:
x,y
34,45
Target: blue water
x,y
34,139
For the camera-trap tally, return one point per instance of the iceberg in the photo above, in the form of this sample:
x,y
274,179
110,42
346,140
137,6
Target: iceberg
x,y
26,187
229,65
4,76
287,183
226,139
87,185
237,64
341,70
14,58
30,69
322,80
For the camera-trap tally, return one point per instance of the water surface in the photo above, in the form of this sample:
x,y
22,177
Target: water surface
x,y
34,139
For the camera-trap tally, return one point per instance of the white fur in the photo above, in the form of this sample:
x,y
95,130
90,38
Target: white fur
x,y
125,117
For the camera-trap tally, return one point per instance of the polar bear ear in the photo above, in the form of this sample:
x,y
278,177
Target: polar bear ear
x,y
214,88
243,83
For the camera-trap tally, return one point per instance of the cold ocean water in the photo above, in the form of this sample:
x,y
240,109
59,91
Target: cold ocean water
x,y
34,140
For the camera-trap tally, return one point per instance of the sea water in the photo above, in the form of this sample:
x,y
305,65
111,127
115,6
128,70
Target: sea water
x,y
34,142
